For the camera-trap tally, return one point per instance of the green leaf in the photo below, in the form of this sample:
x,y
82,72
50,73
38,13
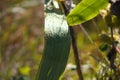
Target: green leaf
x,y
103,46
25,70
85,10
105,38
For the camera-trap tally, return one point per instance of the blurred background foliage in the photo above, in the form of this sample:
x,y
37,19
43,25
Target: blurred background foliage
x,y
22,43
21,38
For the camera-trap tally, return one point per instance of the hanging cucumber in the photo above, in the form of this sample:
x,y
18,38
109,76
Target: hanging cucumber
x,y
57,47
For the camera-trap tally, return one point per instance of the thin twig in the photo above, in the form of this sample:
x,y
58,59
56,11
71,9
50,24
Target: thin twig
x,y
112,38
85,32
94,23
112,54
76,54
74,45
118,50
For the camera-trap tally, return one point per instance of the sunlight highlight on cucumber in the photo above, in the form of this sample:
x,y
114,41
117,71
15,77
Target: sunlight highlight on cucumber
x,y
57,46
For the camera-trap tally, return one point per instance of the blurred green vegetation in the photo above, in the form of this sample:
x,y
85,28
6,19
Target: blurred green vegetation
x,y
22,42
21,38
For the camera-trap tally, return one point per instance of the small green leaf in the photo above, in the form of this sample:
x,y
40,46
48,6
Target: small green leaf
x,y
85,10
108,19
116,21
103,46
105,38
25,70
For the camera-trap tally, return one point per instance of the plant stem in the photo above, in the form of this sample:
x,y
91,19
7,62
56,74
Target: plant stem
x,y
74,44
85,32
95,24
113,51
76,54
111,28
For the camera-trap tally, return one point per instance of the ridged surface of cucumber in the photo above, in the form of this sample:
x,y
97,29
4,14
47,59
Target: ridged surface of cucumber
x,y
57,47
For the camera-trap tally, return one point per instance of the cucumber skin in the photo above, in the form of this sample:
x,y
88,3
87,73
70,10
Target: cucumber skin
x,y
56,52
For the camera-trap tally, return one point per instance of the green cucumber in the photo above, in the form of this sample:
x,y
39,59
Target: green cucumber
x,y
57,47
